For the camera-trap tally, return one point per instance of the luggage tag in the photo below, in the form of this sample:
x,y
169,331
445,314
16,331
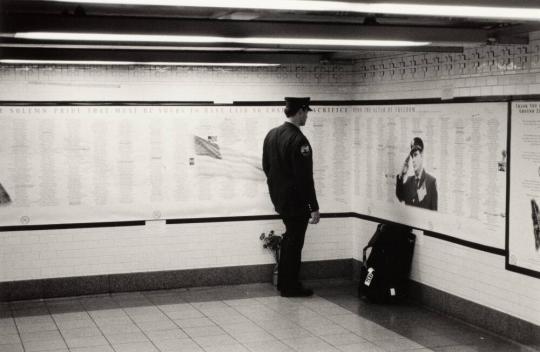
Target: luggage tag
x,y
369,277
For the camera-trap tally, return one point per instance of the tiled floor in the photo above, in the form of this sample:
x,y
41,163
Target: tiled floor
x,y
234,318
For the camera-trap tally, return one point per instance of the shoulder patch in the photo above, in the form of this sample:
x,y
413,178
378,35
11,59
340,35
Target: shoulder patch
x,y
305,150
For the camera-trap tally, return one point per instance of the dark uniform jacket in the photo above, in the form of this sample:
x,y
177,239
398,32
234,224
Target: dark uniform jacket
x,y
288,165
408,192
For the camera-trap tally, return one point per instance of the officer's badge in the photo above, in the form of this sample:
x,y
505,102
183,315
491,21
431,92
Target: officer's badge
x,y
305,150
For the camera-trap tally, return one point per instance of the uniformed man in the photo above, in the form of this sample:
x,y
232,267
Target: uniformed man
x,y
419,190
288,165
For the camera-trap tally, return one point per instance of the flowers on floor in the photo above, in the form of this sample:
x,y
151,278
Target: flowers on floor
x,y
272,242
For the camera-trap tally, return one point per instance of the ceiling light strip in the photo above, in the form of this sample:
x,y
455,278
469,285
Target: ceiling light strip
x,y
109,37
488,12
124,63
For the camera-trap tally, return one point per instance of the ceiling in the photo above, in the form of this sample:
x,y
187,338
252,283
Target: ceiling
x,y
451,34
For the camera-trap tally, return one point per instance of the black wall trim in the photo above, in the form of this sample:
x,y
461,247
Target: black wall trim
x,y
475,99
521,270
447,238
440,236
159,280
222,219
480,247
103,103
82,225
246,218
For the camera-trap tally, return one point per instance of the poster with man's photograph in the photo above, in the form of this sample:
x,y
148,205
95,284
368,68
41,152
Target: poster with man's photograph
x,y
436,167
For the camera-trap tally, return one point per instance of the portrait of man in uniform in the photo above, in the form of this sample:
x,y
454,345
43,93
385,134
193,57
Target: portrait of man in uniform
x,y
420,189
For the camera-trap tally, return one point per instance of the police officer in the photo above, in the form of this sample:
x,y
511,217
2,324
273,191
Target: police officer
x,y
419,190
288,165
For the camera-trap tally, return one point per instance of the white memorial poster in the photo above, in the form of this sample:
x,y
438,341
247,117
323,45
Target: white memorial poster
x,y
524,211
436,167
78,164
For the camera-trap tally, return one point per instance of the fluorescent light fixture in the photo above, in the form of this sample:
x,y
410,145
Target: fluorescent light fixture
x,y
488,12
108,37
124,63
136,47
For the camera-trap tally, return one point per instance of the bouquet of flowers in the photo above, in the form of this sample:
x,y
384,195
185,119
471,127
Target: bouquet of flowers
x,y
272,242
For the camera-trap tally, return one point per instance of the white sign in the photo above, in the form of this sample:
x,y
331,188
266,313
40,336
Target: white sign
x,y
524,211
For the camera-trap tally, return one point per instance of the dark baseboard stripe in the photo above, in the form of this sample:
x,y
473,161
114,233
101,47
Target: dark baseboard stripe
x,y
159,280
475,314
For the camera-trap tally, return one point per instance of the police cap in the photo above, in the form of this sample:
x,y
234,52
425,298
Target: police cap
x,y
417,144
293,104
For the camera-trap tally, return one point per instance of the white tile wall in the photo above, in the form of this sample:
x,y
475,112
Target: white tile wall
x,y
223,85
62,253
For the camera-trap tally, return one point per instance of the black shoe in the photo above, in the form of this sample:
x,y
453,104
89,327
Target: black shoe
x,y
297,292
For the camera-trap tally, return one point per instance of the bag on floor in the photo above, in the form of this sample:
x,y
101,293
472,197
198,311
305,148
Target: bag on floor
x,y
384,274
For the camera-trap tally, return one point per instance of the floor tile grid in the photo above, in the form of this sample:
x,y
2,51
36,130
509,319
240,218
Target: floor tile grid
x,y
284,317
205,329
36,340
10,336
131,342
277,304
322,305
261,311
209,310
317,336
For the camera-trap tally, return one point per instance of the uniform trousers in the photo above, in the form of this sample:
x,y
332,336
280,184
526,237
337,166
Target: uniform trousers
x,y
291,252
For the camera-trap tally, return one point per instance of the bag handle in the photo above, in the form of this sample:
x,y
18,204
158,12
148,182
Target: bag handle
x,y
372,242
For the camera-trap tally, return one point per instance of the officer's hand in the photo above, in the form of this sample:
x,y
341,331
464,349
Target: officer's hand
x,y
405,166
315,217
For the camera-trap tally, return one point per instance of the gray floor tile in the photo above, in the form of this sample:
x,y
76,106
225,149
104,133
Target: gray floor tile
x,y
215,340
235,318
361,347
44,345
161,335
126,338
119,328
147,326
93,349
15,347
204,331
135,347
194,322
268,346
178,345
87,341
343,339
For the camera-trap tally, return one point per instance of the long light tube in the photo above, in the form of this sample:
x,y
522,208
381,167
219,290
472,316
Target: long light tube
x,y
123,63
462,11
108,37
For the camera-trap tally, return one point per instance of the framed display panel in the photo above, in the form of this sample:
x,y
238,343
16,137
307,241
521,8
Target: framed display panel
x,y
523,236
461,192
84,164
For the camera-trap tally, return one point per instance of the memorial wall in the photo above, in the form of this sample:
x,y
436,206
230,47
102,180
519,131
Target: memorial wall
x,y
93,164
79,164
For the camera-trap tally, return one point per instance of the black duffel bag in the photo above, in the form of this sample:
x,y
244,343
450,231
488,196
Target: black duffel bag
x,y
384,275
